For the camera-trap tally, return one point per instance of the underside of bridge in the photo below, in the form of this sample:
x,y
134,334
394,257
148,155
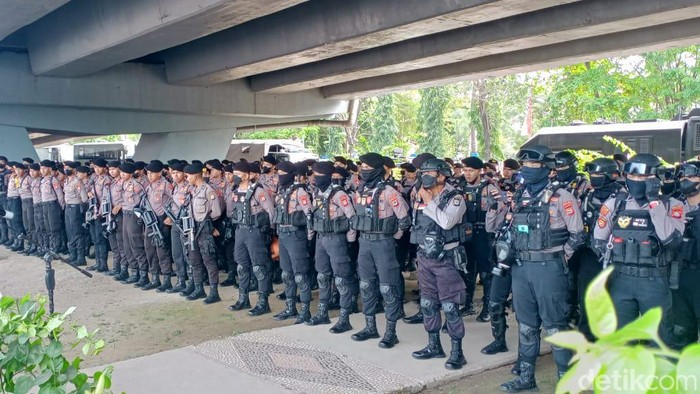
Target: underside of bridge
x,y
73,68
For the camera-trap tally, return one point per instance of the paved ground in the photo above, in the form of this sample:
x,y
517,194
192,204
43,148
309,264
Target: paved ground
x,y
162,344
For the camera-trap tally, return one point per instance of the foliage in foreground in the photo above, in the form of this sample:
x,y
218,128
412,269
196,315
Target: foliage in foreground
x,y
31,351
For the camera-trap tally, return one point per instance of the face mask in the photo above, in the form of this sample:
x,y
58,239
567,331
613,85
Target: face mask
x,y
689,188
2,166
428,181
637,189
566,175
371,176
266,170
286,180
598,181
339,181
236,180
668,188
68,172
534,175
322,181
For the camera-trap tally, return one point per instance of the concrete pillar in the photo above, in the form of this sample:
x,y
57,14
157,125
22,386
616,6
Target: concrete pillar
x,y
15,143
187,145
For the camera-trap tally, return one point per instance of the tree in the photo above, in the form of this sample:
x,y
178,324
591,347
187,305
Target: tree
x,y
431,118
384,128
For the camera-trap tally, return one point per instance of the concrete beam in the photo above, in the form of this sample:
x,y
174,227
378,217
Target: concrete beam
x,y
319,30
142,87
15,143
16,14
544,27
87,36
627,43
165,146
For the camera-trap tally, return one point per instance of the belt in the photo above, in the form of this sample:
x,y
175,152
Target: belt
x,y
73,205
128,212
537,257
374,236
28,199
285,229
641,272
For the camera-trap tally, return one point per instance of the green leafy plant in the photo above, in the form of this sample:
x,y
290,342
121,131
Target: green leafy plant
x,y
31,351
623,360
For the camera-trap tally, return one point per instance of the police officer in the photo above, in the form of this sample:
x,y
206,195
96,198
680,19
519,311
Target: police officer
x,y
114,190
603,173
269,179
229,231
684,281
132,231
251,211
181,198
53,204
381,217
205,208
438,212
546,230
39,230
75,192
330,223
4,178
96,188
637,232
14,205
158,195
509,180
25,194
478,194
293,204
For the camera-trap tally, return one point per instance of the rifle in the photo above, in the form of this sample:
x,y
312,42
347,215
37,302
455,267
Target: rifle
x,y
91,213
106,212
146,213
183,222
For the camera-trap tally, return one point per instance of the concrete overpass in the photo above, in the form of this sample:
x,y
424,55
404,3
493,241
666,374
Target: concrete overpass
x,y
188,73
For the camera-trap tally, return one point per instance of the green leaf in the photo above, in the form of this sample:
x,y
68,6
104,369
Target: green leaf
x,y
86,349
23,384
42,378
599,306
52,390
630,369
580,376
666,375
55,349
82,332
67,312
645,328
573,340
688,370
54,323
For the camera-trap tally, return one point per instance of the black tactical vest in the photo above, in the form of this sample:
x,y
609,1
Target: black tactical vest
x,y
531,229
320,218
3,174
241,209
634,240
366,217
282,215
423,225
590,211
472,197
689,251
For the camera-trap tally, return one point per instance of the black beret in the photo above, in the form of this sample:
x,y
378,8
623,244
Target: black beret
x,y
341,171
473,162
47,163
129,161
28,160
212,161
512,164
287,166
12,163
140,165
244,166
228,167
216,165
71,164
177,166
35,166
389,162
80,164
422,158
3,158
154,166
194,168
184,163
20,166
100,162
127,167
491,166
301,168
458,165
374,160
83,169
341,159
171,161
408,167
197,162
113,164
449,161
352,166
270,159
309,162
617,156
323,167
224,162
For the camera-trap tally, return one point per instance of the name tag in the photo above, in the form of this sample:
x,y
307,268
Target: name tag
x,y
523,228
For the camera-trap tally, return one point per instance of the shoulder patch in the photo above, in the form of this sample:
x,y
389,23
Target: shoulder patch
x,y
262,197
604,210
569,208
394,200
456,201
344,200
602,222
212,196
677,212
303,200
554,199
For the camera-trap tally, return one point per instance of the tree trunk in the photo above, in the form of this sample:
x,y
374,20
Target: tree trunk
x,y
484,116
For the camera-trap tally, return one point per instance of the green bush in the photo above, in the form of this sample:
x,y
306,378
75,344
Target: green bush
x,y
632,359
31,351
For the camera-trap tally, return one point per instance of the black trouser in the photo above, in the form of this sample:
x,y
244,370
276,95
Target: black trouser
x,y
498,296
377,264
204,254
101,243
40,231
440,284
540,289
28,220
295,263
14,205
158,251
333,260
251,252
133,241
478,262
116,243
53,222
4,224
589,268
686,307
179,253
75,217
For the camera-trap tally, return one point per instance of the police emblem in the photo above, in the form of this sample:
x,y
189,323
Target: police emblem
x,y
624,221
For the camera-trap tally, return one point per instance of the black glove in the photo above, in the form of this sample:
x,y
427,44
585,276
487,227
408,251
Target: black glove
x,y
653,188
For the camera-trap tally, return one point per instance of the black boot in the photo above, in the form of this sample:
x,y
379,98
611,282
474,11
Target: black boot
x,y
390,339
289,312
197,293
179,286
415,319
456,360
354,308
262,307
484,316
230,281
370,330
153,284
189,288
433,350
498,329
166,284
242,303
143,279
467,310
525,382
90,268
101,267
213,294
343,324
116,271
321,316
304,313
133,278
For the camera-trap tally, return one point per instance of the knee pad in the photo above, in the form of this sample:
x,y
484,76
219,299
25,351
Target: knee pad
x,y
242,271
342,285
366,288
528,334
324,281
496,309
388,293
302,282
451,312
287,277
428,307
259,272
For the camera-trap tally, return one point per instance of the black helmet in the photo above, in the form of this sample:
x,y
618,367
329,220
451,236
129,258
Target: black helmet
x,y
643,164
691,168
438,165
602,164
565,158
538,153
